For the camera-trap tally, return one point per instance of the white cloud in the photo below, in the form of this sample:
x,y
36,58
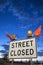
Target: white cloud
x,y
1,55
1,48
39,58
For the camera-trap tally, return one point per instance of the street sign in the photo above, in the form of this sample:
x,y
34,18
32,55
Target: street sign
x,y
22,49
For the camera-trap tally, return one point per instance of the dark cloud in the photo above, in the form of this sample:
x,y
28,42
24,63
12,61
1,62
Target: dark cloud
x,y
41,50
26,3
40,53
2,2
6,47
28,7
2,51
24,7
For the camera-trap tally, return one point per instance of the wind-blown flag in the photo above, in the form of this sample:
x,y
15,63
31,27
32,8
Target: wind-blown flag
x,y
10,37
37,32
7,34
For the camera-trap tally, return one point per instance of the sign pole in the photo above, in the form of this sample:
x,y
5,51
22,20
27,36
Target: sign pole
x,y
31,61
12,61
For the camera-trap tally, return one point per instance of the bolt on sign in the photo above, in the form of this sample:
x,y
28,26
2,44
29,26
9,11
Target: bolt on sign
x,y
22,49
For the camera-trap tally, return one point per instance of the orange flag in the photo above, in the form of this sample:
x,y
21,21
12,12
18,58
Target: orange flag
x,y
10,37
37,32
7,34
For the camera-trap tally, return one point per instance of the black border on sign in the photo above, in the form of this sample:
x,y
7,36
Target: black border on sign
x,y
26,57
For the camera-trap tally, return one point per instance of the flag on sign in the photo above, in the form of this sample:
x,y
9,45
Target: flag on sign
x,y
11,37
37,32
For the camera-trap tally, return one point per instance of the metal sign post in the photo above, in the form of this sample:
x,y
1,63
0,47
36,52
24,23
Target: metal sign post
x,y
12,61
31,61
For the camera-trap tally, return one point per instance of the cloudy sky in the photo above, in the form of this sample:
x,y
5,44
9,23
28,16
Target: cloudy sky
x,y
19,16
